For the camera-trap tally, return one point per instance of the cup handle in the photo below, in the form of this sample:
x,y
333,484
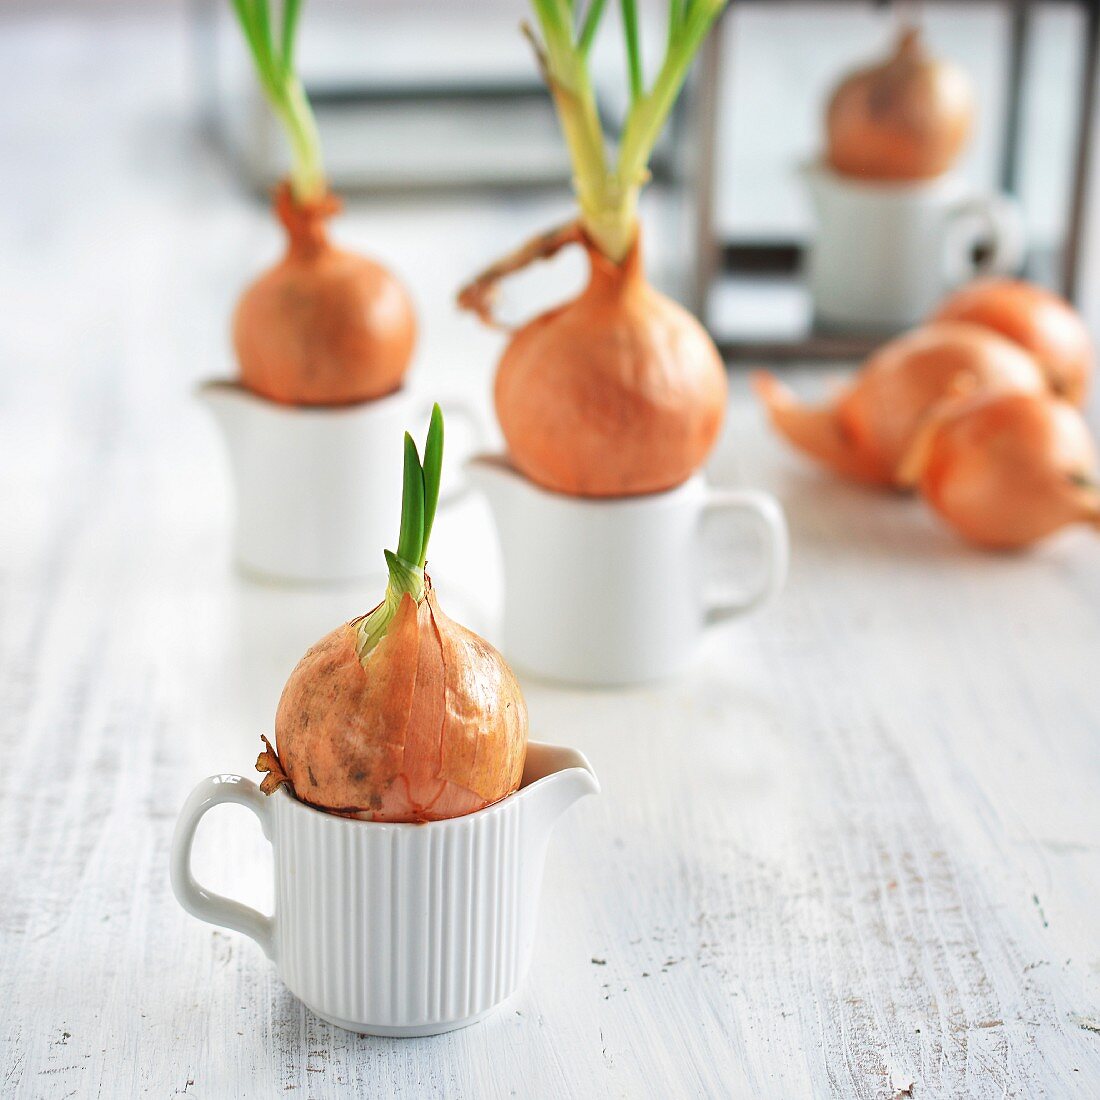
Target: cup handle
x,y
995,220
469,417
196,899
764,511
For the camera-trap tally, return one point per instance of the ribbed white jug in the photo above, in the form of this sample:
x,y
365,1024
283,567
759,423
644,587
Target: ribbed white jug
x,y
395,929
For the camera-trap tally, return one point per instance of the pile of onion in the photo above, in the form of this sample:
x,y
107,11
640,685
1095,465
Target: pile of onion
x,y
324,326
1046,325
867,430
401,715
620,391
1006,469
904,119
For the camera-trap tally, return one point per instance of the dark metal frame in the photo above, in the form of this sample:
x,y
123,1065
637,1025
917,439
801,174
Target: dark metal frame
x,y
713,257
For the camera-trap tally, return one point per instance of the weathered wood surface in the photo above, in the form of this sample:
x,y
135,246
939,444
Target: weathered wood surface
x,y
856,852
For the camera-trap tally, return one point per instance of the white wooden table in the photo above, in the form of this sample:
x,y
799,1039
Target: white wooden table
x,y
856,852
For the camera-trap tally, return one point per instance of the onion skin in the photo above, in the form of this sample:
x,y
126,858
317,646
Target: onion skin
x,y
323,326
616,393
1046,325
1007,469
865,433
433,725
904,119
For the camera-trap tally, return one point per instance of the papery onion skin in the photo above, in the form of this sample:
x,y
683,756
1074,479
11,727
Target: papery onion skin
x,y
865,433
817,431
324,326
432,725
904,119
616,393
1007,469
1036,319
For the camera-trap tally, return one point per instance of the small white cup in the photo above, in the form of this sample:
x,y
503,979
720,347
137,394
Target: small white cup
x,y
318,490
395,929
884,254
610,592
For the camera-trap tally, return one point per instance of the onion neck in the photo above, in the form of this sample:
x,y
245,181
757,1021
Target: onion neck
x,y
910,45
612,224
307,234
610,278
404,580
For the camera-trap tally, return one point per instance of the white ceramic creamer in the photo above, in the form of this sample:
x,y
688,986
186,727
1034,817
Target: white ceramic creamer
x,y
608,592
884,254
318,490
392,929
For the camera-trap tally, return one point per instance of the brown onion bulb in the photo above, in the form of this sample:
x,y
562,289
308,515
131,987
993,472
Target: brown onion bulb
x,y
1007,469
430,725
907,118
618,392
1036,319
324,326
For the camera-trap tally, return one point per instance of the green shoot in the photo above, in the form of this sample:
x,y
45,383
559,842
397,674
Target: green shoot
x,y
274,60
412,506
419,498
433,467
607,187
633,57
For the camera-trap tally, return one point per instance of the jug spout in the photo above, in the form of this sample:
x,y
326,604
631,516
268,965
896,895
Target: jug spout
x,y
554,778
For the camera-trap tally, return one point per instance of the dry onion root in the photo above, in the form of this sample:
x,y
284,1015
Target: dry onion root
x,y
401,715
1039,321
1006,469
904,119
866,432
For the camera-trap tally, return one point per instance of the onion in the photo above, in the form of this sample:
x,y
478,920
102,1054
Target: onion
x,y
323,326
1046,325
903,119
616,393
621,391
1007,469
864,434
401,714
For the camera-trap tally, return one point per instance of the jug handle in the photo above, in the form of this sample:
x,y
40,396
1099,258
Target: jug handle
x,y
766,514
195,898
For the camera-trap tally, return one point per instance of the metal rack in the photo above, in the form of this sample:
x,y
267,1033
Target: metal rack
x,y
715,258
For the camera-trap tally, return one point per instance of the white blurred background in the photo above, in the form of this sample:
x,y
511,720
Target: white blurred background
x,y
425,98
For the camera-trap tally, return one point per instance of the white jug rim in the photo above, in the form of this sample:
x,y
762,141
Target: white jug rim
x,y
816,170
228,388
580,764
498,464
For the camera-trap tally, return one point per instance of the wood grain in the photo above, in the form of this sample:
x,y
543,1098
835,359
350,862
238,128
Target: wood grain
x,y
856,852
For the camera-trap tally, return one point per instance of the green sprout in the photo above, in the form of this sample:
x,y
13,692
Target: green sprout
x,y
607,187
419,498
273,55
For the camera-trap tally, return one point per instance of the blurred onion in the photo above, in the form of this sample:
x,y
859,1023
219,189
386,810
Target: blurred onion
x,y
903,119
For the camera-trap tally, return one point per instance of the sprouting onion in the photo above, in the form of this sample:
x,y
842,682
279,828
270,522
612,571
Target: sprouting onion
x,y
420,495
402,714
608,185
272,50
